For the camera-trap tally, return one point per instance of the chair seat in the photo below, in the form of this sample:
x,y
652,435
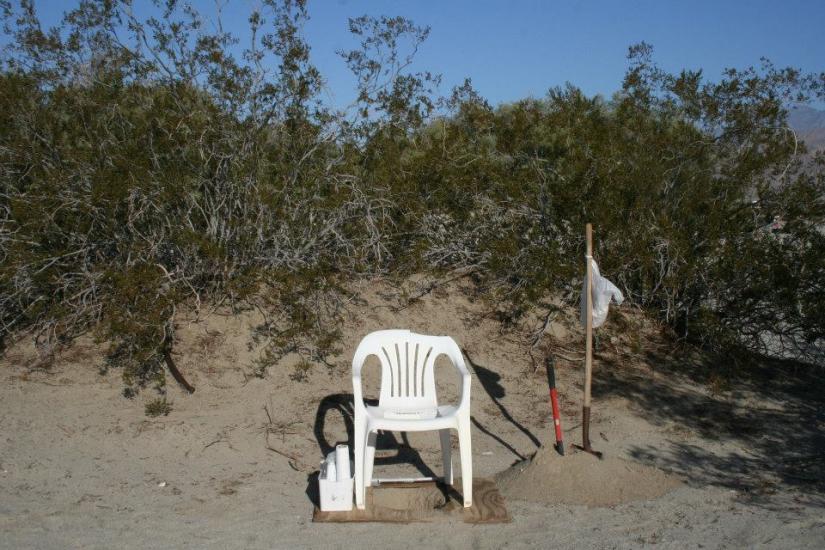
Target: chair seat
x,y
411,420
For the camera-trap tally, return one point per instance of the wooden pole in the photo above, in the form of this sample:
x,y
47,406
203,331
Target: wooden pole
x,y
588,357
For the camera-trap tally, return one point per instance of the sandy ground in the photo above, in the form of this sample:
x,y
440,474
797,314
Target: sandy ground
x,y
83,467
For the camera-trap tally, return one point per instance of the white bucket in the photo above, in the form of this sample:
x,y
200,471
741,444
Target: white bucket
x,y
335,481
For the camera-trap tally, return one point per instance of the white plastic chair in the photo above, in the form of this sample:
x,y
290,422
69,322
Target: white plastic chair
x,y
407,401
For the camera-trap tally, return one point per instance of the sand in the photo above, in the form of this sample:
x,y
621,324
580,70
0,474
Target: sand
x,y
581,478
83,467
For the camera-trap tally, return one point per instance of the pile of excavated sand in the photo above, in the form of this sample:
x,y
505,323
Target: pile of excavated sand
x,y
581,478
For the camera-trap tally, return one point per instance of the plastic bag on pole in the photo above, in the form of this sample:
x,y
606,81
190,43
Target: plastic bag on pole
x,y
602,292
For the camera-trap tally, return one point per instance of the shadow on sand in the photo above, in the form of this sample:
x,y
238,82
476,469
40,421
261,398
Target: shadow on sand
x,y
340,404
490,382
782,434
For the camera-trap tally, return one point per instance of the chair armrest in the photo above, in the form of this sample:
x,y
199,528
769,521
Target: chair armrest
x,y
358,396
466,384
457,359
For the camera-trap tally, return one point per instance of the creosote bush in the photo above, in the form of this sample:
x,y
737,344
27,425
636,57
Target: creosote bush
x,y
151,163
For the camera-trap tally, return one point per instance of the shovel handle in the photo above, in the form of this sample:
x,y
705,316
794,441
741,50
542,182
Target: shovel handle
x,y
554,403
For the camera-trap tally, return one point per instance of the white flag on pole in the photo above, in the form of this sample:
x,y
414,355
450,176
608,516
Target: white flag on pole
x,y
602,291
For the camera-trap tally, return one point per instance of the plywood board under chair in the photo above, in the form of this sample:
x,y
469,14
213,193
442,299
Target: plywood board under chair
x,y
425,502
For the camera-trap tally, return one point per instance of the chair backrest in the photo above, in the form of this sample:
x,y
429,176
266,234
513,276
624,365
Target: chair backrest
x,y
407,365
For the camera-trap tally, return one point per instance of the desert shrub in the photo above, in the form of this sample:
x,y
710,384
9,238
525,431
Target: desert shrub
x,y
145,165
682,179
158,407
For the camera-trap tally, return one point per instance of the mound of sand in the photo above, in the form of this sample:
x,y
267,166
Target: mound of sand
x,y
581,478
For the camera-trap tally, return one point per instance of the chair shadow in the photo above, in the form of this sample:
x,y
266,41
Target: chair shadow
x,y
503,443
490,382
342,404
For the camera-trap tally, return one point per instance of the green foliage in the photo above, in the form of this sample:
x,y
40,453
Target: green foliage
x,y
158,407
144,166
300,373
682,180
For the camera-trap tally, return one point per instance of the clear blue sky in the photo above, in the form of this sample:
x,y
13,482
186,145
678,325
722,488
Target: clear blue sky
x,y
513,49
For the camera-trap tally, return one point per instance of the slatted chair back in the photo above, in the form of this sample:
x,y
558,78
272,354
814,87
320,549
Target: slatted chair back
x,y
407,366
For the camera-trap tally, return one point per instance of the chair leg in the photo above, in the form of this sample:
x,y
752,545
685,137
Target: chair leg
x,y
359,455
446,455
466,449
369,457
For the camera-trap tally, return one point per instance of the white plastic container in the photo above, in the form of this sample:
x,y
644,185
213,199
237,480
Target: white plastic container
x,y
342,463
335,481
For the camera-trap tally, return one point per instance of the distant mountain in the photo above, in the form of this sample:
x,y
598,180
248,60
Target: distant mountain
x,y
809,124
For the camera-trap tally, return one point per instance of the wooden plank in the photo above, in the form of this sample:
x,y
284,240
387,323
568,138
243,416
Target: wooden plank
x,y
425,502
488,504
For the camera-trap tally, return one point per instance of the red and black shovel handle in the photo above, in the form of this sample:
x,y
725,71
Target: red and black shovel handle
x,y
554,403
